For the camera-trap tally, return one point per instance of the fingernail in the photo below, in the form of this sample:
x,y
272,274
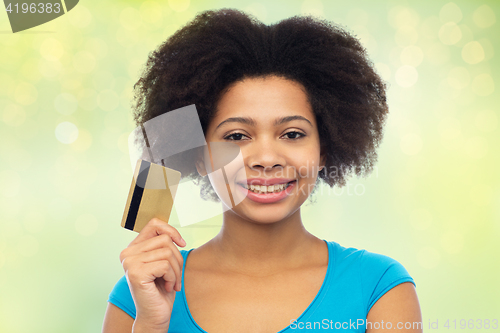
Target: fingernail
x,y
183,241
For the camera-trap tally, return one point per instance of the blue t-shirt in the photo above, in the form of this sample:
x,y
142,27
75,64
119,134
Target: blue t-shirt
x,y
355,280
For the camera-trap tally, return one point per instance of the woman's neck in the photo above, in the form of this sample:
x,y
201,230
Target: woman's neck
x,y
259,249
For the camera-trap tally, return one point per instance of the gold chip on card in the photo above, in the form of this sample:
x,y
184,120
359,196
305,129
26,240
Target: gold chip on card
x,y
151,195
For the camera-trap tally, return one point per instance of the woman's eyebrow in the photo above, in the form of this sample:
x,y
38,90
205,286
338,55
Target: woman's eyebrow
x,y
251,122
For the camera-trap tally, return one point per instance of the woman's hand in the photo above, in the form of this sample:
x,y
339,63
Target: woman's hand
x,y
153,267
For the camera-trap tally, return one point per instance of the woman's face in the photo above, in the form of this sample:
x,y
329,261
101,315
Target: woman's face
x,y
272,123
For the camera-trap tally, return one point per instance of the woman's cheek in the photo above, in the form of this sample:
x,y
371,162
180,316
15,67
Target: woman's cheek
x,y
307,166
229,167
218,183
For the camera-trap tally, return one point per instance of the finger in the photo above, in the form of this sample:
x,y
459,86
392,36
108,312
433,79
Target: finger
x,y
164,254
151,271
157,227
161,241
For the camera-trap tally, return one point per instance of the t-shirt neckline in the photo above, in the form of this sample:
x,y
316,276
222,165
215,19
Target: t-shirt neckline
x,y
316,298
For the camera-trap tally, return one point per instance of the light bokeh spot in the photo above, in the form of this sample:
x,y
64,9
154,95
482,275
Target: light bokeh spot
x,y
80,17
66,132
437,54
467,35
179,5
97,47
406,35
399,16
484,16
51,49
450,33
257,9
412,56
406,76
130,18
473,52
488,48
49,69
151,11
83,142
450,13
84,62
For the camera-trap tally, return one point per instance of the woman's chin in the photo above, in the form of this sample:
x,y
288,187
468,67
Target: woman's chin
x,y
263,215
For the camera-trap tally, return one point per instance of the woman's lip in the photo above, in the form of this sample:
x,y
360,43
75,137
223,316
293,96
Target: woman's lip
x,y
266,181
248,184
268,197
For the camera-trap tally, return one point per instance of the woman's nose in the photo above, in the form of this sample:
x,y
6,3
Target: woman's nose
x,y
264,154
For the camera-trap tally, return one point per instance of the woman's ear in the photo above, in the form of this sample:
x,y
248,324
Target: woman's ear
x,y
322,161
200,166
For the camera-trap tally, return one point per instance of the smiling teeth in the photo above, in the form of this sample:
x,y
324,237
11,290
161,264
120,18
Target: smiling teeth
x,y
266,189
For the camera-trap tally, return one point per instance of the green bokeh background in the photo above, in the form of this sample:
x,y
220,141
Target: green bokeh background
x,y
432,202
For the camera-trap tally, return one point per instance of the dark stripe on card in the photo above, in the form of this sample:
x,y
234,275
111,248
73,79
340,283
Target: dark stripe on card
x,y
135,202
147,144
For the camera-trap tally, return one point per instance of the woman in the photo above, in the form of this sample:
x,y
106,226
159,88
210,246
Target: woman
x,y
304,105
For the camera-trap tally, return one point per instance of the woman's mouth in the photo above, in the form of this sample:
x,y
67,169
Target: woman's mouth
x,y
262,189
267,194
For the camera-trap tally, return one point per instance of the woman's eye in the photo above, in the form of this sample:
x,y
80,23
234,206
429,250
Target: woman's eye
x,y
294,135
236,136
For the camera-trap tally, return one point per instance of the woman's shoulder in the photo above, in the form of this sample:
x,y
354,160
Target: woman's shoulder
x,y
373,274
373,268
363,257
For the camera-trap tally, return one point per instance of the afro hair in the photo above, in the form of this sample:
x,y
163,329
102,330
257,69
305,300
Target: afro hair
x,y
203,59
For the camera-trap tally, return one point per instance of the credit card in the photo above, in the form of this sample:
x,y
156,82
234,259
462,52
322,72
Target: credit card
x,y
151,195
